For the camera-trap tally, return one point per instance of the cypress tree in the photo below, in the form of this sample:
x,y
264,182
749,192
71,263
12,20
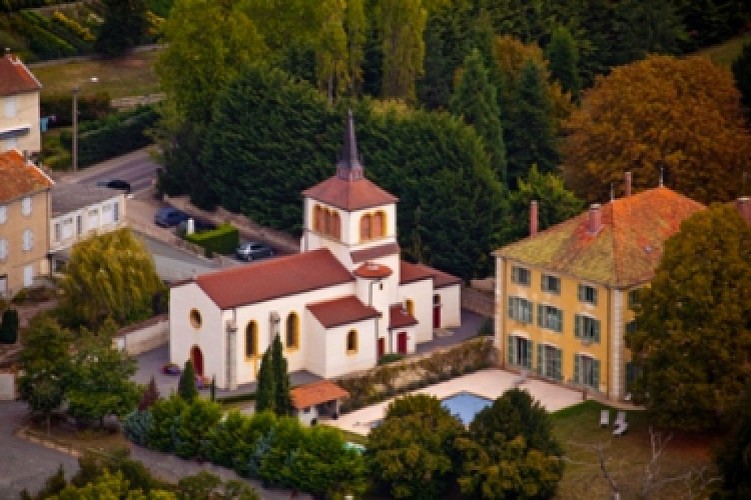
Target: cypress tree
x,y
475,100
265,399
563,56
186,387
283,404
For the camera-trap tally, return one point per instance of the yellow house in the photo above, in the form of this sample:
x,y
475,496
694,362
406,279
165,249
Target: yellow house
x,y
564,296
19,107
24,218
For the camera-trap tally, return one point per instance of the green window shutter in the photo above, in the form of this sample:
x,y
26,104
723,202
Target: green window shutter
x,y
577,326
581,293
539,315
528,354
559,363
511,307
576,368
540,359
511,350
596,329
596,374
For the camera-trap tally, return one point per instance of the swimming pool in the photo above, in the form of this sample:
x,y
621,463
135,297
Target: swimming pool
x,y
465,405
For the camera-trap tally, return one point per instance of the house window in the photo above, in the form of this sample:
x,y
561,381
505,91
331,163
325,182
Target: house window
x,y
549,362
379,225
28,275
3,214
633,298
550,317
26,205
409,304
365,224
520,275
251,340
293,331
79,225
587,371
551,284
67,228
520,309
631,327
195,318
306,409
588,294
28,240
520,351
116,212
58,232
587,328
3,249
352,342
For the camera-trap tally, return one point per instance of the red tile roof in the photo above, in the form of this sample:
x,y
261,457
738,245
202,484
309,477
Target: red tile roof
x,y
342,311
18,178
274,278
15,77
371,270
399,317
375,252
349,194
415,272
623,253
316,393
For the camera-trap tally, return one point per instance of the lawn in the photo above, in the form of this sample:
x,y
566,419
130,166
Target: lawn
x,y
725,53
65,437
578,429
130,76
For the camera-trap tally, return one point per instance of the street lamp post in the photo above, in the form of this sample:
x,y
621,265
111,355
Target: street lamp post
x,y
74,148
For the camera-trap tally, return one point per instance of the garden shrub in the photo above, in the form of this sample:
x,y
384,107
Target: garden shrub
x,y
90,107
196,420
136,426
224,239
390,358
166,413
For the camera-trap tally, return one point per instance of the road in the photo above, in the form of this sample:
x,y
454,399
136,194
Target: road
x,y
138,168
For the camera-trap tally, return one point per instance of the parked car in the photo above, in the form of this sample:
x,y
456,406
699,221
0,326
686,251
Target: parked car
x,y
252,250
115,184
199,226
169,217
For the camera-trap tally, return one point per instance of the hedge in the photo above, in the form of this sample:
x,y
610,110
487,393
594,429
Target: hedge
x,y
224,239
90,107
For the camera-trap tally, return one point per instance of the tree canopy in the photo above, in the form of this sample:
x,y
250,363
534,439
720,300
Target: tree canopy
x,y
273,381
112,276
693,337
123,27
679,115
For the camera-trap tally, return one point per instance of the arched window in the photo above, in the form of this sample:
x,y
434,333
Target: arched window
x,y
365,225
251,340
336,226
352,342
317,218
293,331
410,305
379,225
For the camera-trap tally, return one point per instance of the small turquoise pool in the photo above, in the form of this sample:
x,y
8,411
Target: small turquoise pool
x,y
465,405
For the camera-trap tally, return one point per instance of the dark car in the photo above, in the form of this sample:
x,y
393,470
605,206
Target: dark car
x,y
252,250
115,184
169,217
199,226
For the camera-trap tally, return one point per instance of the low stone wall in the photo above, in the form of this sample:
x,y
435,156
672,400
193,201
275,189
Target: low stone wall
x,y
144,336
7,386
479,302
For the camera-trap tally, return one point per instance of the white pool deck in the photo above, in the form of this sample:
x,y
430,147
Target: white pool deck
x,y
489,383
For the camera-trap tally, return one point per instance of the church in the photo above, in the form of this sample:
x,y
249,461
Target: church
x,y
339,305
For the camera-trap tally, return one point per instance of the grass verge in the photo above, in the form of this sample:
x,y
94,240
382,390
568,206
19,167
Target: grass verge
x,y
102,441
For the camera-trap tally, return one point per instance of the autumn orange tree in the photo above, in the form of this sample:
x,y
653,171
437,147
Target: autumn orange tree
x,y
681,116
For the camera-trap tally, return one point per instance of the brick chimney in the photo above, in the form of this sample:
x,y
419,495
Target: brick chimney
x,y
533,218
743,205
627,189
595,219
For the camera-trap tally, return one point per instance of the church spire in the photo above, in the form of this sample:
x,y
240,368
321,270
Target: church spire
x,y
349,166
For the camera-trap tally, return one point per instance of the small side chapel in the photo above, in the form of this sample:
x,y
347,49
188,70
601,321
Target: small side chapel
x,y
339,305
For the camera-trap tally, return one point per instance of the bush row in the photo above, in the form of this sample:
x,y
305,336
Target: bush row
x,y
42,42
90,107
16,5
388,380
223,240
115,135
277,450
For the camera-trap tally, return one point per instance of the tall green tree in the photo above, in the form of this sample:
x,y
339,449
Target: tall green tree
x,y
402,26
412,452
332,65
644,28
123,27
532,140
563,57
355,26
474,99
186,386
283,401
693,337
266,388
46,366
742,74
111,275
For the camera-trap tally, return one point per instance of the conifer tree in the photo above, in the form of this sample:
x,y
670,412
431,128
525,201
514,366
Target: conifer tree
x,y
186,387
563,58
283,404
266,389
150,396
742,74
475,100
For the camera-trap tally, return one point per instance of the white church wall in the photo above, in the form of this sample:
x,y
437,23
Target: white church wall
x,y
340,361
451,297
421,295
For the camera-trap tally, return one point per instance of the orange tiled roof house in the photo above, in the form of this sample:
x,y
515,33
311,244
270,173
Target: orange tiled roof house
x,y
19,107
564,296
339,305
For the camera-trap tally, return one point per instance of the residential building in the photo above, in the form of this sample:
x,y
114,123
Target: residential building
x,y
19,107
79,212
24,218
565,296
339,305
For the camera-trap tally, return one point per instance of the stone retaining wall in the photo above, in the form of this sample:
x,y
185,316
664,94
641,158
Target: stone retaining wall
x,y
145,336
478,302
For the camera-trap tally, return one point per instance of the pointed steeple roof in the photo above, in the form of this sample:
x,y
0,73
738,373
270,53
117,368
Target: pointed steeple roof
x,y
349,166
349,189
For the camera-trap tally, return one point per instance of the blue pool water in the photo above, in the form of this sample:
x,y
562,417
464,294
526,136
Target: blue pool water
x,y
465,405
